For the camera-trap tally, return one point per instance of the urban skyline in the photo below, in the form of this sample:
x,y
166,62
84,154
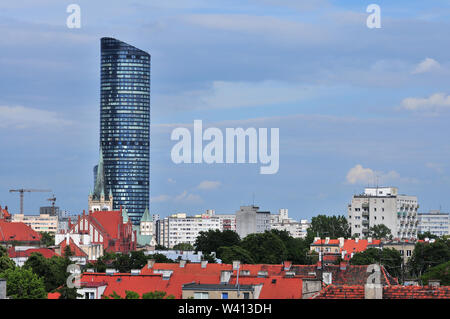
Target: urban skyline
x,y
229,67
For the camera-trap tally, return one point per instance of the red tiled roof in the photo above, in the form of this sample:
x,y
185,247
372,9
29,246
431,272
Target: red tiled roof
x,y
17,232
416,292
76,250
109,221
53,295
274,287
47,253
323,242
4,214
341,292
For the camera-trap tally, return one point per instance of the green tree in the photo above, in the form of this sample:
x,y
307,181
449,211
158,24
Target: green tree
x,y
105,261
183,246
53,270
212,240
131,295
161,247
24,284
297,248
162,259
440,272
156,295
68,293
229,254
47,239
265,248
122,263
389,258
138,259
427,255
380,231
427,234
6,263
3,251
328,226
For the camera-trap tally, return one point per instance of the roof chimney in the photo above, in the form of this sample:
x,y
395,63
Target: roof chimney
x,y
150,263
182,263
204,263
356,239
435,283
327,240
287,265
225,276
369,240
341,242
236,264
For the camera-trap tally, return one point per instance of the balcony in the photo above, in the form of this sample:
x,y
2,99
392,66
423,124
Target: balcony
x,y
365,213
365,222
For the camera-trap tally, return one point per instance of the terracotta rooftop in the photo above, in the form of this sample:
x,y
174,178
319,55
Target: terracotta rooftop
x,y
17,232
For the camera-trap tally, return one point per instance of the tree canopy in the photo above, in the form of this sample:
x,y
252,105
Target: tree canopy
x,y
265,248
427,255
440,272
212,240
24,284
389,258
380,231
328,226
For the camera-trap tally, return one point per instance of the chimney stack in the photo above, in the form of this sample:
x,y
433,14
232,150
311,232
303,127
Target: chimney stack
x,y
150,263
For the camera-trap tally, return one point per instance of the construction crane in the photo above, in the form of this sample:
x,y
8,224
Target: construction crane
x,y
53,200
21,191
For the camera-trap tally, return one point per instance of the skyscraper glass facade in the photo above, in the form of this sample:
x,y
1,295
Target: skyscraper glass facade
x,y
125,125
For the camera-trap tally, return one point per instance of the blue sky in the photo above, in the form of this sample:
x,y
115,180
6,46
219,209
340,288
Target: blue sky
x,y
351,102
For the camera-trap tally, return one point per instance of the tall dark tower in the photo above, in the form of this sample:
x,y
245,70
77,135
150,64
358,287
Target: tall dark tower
x,y
125,125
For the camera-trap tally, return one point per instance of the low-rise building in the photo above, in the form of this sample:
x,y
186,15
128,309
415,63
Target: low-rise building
x,y
39,223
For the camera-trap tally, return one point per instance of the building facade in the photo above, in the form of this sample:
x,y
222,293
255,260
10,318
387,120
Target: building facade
x,y
125,125
250,220
383,205
180,228
39,223
281,221
434,222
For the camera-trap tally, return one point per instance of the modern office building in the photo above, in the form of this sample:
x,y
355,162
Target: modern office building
x,y
125,125
434,222
39,223
383,205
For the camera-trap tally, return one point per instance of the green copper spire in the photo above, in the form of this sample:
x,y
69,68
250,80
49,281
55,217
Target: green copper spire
x,y
125,215
99,188
146,217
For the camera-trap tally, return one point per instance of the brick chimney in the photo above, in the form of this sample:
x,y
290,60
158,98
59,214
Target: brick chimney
x,y
150,263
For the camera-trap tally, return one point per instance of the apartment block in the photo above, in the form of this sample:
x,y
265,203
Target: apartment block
x,y
39,223
281,221
250,220
383,205
434,222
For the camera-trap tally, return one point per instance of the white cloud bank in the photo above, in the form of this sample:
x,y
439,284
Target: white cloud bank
x,y
434,102
427,65
20,117
209,185
360,175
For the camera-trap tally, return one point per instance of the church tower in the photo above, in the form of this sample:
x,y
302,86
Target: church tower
x,y
98,200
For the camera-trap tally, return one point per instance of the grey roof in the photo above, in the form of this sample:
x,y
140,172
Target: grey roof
x,y
100,184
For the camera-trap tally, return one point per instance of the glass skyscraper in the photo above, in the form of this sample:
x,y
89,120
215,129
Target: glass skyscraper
x,y
125,125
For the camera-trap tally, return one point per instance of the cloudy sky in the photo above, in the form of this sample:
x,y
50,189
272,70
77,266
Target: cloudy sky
x,y
353,104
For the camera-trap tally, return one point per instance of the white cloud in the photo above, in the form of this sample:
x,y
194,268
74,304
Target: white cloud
x,y
160,198
426,65
171,180
20,117
361,175
209,185
188,197
434,102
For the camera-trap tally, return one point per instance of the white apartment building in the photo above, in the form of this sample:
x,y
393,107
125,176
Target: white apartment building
x,y
281,221
383,205
250,220
39,223
434,222
180,228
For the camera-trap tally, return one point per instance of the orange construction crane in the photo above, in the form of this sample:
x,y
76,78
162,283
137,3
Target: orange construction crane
x,y
21,191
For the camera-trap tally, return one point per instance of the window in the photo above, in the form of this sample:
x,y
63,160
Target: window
x,y
408,253
224,295
246,295
201,295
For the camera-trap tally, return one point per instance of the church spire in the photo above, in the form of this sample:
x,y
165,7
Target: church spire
x,y
99,187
